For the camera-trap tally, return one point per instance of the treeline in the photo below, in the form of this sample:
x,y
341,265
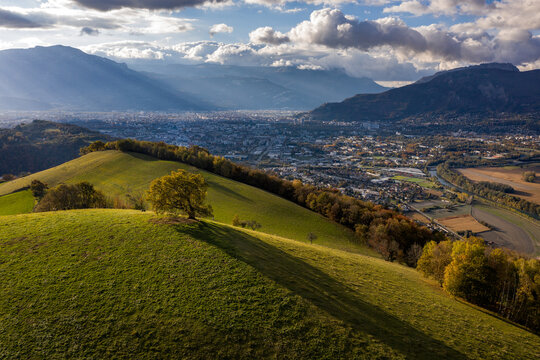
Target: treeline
x,y
497,279
393,235
494,192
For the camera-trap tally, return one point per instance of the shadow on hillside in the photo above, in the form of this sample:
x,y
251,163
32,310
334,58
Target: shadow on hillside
x,y
216,186
322,290
142,156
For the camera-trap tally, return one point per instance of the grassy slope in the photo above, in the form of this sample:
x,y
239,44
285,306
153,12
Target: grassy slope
x,y
109,283
118,173
17,203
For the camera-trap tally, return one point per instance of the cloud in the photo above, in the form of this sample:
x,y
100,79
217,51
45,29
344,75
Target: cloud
x,y
128,21
107,5
128,50
12,20
355,62
89,31
220,28
332,29
267,35
441,7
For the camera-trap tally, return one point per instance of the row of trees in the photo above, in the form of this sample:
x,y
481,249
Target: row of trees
x,y
253,224
392,234
494,192
497,279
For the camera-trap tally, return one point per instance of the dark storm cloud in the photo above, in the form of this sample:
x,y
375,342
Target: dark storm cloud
x,y
106,5
89,31
13,20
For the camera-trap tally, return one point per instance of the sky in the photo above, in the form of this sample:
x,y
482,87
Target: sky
x,y
391,41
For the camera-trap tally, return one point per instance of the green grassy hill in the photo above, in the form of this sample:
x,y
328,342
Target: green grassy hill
x,y
119,284
117,173
19,202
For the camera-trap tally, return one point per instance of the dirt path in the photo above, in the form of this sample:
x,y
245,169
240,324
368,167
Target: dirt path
x,y
506,234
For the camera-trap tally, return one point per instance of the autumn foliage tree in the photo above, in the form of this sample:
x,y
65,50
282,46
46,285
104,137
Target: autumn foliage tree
x,y
180,192
498,279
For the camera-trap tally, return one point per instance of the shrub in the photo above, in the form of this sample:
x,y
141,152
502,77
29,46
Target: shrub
x,y
38,189
67,197
529,176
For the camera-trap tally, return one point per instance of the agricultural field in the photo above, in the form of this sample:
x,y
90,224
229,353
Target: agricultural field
x,y
463,223
118,284
425,183
509,230
439,209
117,174
509,175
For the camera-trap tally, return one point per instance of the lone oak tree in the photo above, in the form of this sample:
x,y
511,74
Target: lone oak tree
x,y
180,192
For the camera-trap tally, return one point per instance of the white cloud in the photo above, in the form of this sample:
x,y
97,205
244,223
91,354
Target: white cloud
x,y
220,28
61,14
333,29
441,7
267,35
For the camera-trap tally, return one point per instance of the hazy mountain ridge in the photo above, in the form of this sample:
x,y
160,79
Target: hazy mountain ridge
x,y
480,91
62,77
256,87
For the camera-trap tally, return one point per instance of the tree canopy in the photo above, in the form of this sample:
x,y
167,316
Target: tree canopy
x,y
180,192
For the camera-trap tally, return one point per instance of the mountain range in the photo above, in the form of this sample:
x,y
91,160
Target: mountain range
x,y
482,90
258,87
61,77
65,78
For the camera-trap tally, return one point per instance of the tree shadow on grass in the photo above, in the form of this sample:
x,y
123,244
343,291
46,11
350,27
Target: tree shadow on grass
x,y
216,186
323,291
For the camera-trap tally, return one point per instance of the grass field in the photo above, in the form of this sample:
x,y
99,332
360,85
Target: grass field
x,y
463,223
19,202
422,182
513,231
117,173
112,284
509,175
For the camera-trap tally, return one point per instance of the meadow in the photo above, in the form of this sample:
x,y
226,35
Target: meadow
x,y
118,284
118,174
19,202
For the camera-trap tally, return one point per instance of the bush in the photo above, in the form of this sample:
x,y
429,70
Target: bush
x,y
38,189
68,197
529,176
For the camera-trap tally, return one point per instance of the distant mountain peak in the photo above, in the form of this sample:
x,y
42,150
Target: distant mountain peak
x,y
63,77
487,66
480,91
